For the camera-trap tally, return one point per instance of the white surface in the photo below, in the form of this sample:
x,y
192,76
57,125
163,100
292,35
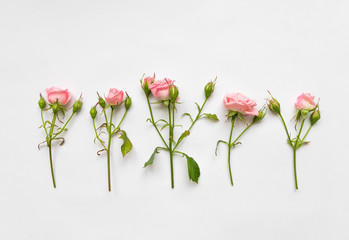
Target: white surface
x,y
284,46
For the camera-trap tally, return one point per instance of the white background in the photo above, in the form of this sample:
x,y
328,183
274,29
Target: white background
x,y
287,47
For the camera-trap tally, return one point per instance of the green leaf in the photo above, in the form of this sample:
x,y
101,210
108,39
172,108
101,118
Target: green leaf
x,y
164,126
231,113
183,135
151,159
193,169
187,114
166,102
161,120
241,118
198,106
219,141
127,145
211,116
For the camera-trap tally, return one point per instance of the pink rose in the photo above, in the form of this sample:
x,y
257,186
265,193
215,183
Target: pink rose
x,y
240,103
305,101
55,94
161,89
149,80
115,97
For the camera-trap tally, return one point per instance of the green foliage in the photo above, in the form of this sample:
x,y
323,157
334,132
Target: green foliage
x,y
127,145
151,159
193,169
211,116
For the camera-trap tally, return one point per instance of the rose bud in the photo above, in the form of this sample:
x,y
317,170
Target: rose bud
x,y
161,89
146,83
55,94
209,88
128,102
315,116
274,105
115,97
173,93
55,107
93,112
305,101
238,102
42,102
77,105
101,102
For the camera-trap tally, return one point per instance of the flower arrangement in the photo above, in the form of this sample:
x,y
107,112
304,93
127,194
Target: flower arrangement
x,y
58,100
167,94
239,107
114,99
306,108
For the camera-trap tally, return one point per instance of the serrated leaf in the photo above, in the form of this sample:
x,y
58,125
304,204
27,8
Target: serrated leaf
x,y
211,116
183,135
151,159
127,145
187,114
193,169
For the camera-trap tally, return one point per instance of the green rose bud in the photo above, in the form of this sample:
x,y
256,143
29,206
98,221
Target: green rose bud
x,y
101,102
55,107
146,84
209,88
274,105
77,105
173,93
128,102
315,116
93,112
42,102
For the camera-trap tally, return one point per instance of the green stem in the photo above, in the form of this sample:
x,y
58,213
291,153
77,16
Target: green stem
x,y
306,133
43,122
62,129
122,119
153,122
242,133
294,153
52,173
100,140
170,142
50,147
108,156
108,149
299,134
198,115
192,124
229,148
288,135
295,167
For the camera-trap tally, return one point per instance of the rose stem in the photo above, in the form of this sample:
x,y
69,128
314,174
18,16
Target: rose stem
x,y
294,154
294,166
170,143
229,148
153,122
49,147
108,150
